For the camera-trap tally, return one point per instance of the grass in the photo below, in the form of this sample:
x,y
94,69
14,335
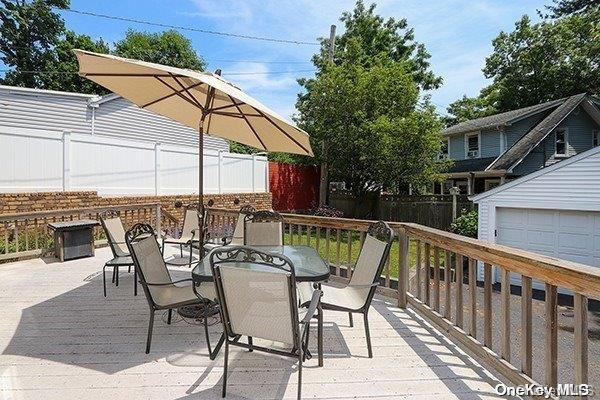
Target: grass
x,y
345,258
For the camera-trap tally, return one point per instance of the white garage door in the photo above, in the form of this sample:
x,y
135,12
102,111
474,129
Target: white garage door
x,y
570,235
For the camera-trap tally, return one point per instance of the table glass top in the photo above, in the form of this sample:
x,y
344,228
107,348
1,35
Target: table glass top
x,y
308,265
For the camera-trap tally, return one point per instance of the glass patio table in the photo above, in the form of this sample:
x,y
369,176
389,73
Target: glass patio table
x,y
308,267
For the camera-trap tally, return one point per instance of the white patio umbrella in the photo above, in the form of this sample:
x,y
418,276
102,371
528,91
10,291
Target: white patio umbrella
x,y
200,100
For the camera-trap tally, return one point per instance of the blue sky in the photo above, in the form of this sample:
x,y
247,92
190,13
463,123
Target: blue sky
x,y
457,33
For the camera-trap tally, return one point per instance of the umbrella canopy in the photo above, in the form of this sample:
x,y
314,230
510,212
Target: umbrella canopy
x,y
199,100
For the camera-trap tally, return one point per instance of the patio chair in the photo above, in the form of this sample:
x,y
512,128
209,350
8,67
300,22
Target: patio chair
x,y
236,238
356,297
115,235
161,291
257,297
187,237
263,228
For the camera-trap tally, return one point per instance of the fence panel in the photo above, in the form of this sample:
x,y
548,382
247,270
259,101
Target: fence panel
x,y
34,160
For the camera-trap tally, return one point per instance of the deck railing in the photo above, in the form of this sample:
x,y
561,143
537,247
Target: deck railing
x,y
28,235
425,271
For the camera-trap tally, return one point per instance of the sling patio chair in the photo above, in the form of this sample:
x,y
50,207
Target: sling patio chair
x,y
263,228
356,297
236,238
188,235
257,297
115,235
161,291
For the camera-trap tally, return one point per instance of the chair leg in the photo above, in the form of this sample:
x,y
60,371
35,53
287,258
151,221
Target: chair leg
x,y
116,276
150,326
181,250
306,339
225,368
104,279
169,315
207,337
134,281
366,318
300,358
250,344
351,320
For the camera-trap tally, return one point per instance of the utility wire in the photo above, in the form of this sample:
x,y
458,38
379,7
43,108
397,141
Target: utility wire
x,y
224,74
186,28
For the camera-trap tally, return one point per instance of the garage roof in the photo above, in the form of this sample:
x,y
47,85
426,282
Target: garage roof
x,y
536,174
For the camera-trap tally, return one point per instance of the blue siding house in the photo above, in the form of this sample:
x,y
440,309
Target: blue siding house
x,y
488,151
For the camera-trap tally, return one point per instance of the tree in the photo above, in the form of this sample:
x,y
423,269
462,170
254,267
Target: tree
x,y
378,136
168,48
64,62
376,36
537,63
561,8
28,31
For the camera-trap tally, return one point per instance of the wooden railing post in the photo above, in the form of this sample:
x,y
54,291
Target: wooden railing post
x,y
158,219
403,268
581,339
551,345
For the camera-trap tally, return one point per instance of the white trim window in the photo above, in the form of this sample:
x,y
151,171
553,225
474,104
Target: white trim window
x,y
444,150
472,145
595,138
502,142
561,142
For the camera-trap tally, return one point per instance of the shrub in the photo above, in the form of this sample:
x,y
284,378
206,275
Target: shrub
x,y
465,224
328,211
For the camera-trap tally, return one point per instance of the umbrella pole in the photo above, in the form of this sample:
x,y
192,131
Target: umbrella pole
x,y
201,183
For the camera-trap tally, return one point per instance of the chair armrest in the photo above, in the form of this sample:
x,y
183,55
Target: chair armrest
x,y
312,306
169,283
365,286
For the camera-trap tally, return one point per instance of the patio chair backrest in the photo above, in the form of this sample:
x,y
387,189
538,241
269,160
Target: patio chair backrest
x,y
238,232
257,294
147,258
372,257
115,234
191,222
263,228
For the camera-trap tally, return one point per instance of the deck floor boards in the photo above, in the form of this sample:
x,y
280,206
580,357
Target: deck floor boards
x,y
61,339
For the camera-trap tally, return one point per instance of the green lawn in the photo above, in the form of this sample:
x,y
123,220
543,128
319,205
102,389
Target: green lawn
x,y
355,248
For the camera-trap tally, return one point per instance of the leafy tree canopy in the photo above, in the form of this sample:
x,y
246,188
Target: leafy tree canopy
x,y
28,30
168,47
391,38
377,136
561,8
537,63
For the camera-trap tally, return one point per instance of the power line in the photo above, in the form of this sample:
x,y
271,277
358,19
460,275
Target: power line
x,y
186,28
39,72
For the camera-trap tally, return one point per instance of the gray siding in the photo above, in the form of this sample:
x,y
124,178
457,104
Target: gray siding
x,y
118,118
490,143
44,111
456,150
579,126
121,118
516,131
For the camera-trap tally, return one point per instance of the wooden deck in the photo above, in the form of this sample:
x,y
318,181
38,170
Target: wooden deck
x,y
61,339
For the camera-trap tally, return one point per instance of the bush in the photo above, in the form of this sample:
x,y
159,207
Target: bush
x,y
328,211
465,224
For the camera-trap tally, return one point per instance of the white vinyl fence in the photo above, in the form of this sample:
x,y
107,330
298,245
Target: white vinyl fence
x,y
35,160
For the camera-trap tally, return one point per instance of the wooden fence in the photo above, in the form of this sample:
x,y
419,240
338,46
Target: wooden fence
x,y
429,210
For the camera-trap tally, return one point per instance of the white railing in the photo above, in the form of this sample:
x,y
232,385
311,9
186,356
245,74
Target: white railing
x,y
36,160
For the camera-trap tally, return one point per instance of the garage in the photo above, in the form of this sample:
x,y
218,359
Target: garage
x,y
554,211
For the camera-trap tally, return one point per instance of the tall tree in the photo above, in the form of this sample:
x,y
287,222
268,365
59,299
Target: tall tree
x,y
28,31
392,38
61,68
168,47
538,62
561,8
378,135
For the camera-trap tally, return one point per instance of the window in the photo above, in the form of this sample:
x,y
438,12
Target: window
x,y
502,142
561,142
443,154
595,138
472,145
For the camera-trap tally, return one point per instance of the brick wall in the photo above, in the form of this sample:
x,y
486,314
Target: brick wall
x,y
40,201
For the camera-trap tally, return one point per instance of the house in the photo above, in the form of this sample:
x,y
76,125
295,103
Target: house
x,y
554,211
109,116
489,151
